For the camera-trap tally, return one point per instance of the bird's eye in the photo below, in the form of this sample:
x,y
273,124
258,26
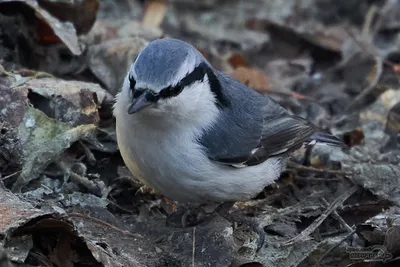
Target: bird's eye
x,y
152,97
132,83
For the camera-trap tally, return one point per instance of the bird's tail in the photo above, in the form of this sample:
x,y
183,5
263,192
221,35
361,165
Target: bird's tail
x,y
327,138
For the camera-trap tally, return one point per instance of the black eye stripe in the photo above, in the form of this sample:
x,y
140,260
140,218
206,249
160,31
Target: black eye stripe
x,y
137,93
132,82
171,91
152,97
196,75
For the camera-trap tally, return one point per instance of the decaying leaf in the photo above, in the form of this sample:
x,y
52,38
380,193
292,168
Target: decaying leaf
x,y
72,10
237,60
253,78
14,212
65,31
36,139
71,102
111,60
43,140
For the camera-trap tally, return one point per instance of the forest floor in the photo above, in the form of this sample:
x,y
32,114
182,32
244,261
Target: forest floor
x,y
67,199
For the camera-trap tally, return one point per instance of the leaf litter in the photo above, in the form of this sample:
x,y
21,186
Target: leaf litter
x,y
66,198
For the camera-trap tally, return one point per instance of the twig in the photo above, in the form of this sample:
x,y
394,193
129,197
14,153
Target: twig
x,y
382,14
84,216
317,180
365,44
367,90
336,215
10,175
311,169
3,71
334,232
366,30
89,155
312,227
334,247
193,246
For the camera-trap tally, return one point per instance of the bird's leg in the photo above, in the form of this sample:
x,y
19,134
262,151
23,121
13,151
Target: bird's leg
x,y
307,154
223,211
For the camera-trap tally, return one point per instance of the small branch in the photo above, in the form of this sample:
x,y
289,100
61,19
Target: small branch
x,y
312,227
336,215
366,30
367,90
317,180
9,176
334,247
98,221
89,155
295,166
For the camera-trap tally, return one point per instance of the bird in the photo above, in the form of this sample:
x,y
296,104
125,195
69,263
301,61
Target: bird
x,y
197,135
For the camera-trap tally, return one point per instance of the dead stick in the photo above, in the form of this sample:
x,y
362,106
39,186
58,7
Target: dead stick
x,y
334,247
98,221
312,227
336,215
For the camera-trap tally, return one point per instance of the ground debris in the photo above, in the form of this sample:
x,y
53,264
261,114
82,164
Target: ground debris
x,y
49,28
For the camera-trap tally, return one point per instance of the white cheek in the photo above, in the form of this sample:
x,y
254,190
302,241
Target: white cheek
x,y
195,104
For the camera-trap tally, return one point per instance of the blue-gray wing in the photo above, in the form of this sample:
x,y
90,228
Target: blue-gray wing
x,y
253,128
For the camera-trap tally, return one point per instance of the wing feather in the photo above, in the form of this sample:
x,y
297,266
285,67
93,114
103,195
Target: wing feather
x,y
255,128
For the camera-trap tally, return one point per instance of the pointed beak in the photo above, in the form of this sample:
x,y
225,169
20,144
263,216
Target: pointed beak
x,y
139,103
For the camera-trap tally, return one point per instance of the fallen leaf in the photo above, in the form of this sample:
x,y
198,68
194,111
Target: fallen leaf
x,y
354,137
72,11
65,31
154,14
237,60
252,77
71,102
111,60
14,212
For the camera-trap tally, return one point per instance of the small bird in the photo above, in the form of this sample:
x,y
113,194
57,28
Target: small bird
x,y
196,135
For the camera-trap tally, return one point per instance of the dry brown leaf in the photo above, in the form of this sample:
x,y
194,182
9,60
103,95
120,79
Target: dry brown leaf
x,y
354,137
81,13
253,78
50,29
155,13
237,60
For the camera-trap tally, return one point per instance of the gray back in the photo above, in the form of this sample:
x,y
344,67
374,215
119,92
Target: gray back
x,y
239,128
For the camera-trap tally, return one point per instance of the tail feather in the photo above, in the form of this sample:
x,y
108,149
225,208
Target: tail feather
x,y
327,138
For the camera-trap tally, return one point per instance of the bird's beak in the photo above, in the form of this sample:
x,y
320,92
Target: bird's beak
x,y
139,104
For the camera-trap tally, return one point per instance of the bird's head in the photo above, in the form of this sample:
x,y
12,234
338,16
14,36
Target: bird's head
x,y
170,76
